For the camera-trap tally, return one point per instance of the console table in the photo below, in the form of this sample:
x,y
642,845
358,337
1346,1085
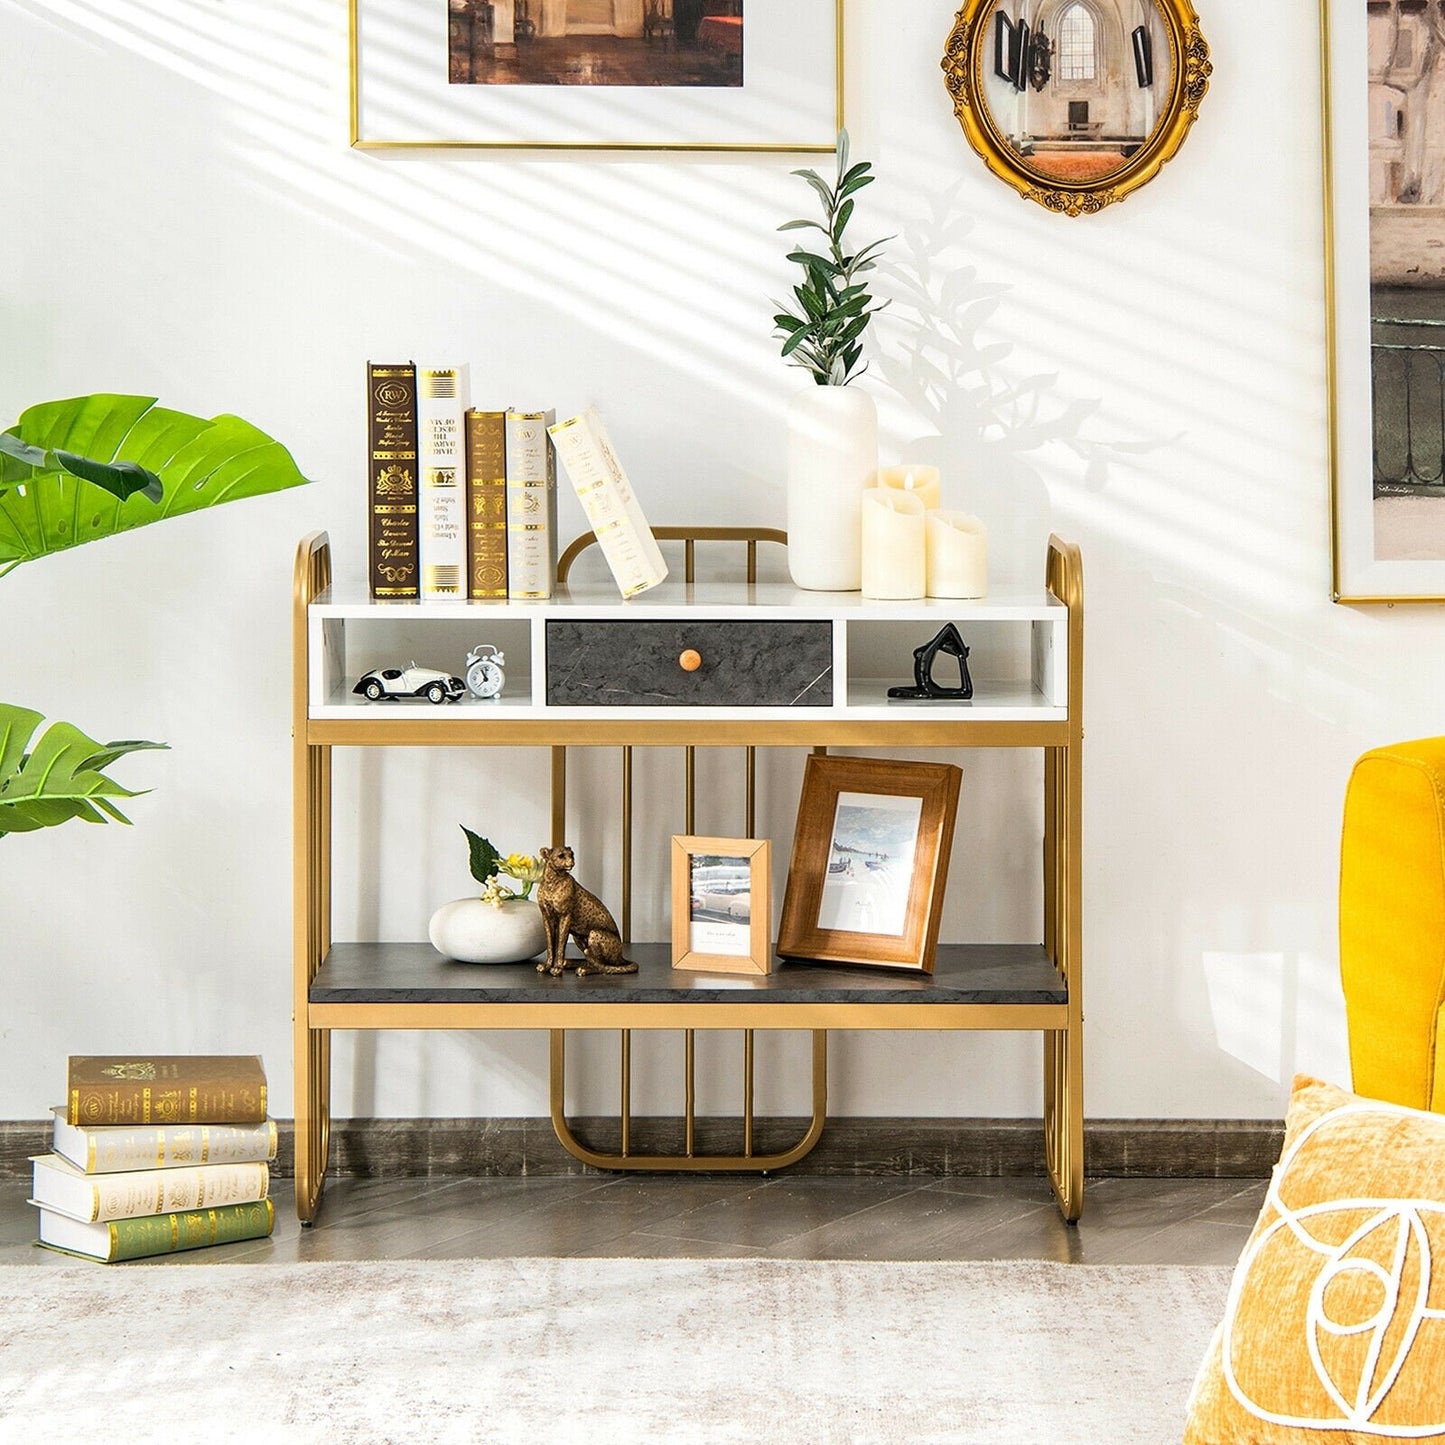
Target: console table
x,y
780,668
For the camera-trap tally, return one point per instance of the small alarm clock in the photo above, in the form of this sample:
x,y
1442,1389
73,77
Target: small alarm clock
x,y
485,677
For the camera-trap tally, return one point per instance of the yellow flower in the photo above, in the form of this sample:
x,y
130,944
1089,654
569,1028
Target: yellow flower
x,y
523,867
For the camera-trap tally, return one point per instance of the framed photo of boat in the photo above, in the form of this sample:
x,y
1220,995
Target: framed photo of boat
x,y
722,913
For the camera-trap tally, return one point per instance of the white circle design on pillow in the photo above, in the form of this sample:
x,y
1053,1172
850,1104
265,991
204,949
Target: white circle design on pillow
x,y
1358,1404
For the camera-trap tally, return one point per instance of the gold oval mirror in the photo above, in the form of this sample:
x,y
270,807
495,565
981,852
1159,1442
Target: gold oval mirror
x,y
1075,103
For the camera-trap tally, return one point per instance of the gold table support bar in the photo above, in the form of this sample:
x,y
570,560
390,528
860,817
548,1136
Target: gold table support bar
x,y
691,1160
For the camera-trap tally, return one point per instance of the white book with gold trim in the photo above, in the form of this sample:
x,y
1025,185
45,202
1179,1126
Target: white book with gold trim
x,y
441,407
613,511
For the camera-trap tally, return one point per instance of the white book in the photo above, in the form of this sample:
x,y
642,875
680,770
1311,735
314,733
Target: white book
x,y
110,1148
441,406
58,1185
531,505
613,512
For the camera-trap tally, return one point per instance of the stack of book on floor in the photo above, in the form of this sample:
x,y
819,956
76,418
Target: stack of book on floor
x,y
151,1156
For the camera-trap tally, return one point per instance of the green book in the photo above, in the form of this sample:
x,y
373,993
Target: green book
x,y
150,1234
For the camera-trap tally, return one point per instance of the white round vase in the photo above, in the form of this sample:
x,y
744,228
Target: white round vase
x,y
471,931
832,459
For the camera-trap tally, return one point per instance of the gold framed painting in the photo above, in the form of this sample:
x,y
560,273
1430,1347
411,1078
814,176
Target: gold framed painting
x,y
722,905
1384,150
870,861
686,75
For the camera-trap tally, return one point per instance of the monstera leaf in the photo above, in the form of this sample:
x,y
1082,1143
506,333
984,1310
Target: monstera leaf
x,y
78,470
60,778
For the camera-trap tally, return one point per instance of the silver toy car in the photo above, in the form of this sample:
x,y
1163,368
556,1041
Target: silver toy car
x,y
410,681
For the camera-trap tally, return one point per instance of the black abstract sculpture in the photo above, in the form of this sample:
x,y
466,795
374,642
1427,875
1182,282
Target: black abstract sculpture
x,y
925,685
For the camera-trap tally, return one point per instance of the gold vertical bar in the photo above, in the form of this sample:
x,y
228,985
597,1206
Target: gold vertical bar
x,y
750,820
690,816
559,797
690,1048
752,559
626,1092
627,844
748,1092
689,565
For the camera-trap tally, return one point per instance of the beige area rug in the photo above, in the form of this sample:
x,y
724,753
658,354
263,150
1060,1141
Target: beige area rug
x,y
541,1350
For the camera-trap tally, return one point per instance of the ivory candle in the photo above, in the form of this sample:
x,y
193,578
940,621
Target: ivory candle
x,y
923,481
957,546
894,548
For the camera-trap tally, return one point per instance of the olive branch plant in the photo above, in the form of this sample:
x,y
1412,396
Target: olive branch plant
x,y
824,332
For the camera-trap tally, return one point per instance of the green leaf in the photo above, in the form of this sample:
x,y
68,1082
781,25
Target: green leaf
x,y
22,461
61,778
824,190
801,225
195,464
485,860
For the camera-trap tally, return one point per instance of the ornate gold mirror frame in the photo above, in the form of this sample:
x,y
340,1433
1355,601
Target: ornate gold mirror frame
x,y
1030,59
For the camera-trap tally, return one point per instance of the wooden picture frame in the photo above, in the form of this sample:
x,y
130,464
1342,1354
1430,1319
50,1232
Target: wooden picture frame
x,y
1385,304
870,861
722,904
479,75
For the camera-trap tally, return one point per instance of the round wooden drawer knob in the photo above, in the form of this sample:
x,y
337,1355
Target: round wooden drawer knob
x,y
689,660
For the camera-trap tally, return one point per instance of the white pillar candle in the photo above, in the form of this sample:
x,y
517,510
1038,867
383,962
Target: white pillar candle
x,y
924,481
894,550
957,555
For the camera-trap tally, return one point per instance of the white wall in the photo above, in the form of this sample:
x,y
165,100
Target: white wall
x,y
184,218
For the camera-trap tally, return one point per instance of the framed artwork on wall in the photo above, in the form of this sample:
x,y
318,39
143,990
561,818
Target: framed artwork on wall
x,y
870,861
686,75
1384,149
722,904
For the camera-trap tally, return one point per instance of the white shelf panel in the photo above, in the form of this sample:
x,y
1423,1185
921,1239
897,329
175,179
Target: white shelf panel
x,y
721,600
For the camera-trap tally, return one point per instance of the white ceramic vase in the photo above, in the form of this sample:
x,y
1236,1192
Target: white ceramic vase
x,y
471,931
832,458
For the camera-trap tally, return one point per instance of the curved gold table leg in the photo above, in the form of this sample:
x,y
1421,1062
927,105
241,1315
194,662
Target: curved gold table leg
x,y
748,1160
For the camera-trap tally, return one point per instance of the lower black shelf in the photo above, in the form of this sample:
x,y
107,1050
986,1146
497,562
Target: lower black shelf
x,y
971,973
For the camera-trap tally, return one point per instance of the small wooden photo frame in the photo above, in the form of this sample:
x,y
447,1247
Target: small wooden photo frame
x,y
870,861
722,905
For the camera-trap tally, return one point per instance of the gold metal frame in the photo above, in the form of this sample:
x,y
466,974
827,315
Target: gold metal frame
x,y
1060,1023
358,143
965,60
1332,341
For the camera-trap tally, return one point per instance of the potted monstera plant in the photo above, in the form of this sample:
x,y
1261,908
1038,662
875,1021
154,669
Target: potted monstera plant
x,y
77,471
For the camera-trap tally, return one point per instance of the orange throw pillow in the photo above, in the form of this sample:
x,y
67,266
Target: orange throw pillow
x,y
1335,1327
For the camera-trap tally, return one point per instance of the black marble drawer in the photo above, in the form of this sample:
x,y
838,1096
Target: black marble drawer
x,y
739,664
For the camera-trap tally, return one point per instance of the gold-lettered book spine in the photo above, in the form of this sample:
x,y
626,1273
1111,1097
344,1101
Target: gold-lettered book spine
x,y
531,506
167,1089
486,504
117,1149
441,404
190,1229
391,439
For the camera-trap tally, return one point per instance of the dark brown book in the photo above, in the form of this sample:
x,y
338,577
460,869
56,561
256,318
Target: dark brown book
x,y
486,504
391,438
167,1089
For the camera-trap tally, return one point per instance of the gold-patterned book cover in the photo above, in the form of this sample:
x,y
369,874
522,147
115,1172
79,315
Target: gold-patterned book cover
x,y
391,442
486,504
166,1089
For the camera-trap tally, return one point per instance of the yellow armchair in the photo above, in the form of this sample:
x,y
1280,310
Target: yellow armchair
x,y
1392,923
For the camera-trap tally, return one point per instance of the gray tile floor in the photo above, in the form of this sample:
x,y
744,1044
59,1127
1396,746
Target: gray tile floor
x,y
1125,1221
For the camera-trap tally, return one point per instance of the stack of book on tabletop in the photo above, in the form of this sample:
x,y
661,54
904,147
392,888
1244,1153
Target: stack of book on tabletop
x,y
150,1156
